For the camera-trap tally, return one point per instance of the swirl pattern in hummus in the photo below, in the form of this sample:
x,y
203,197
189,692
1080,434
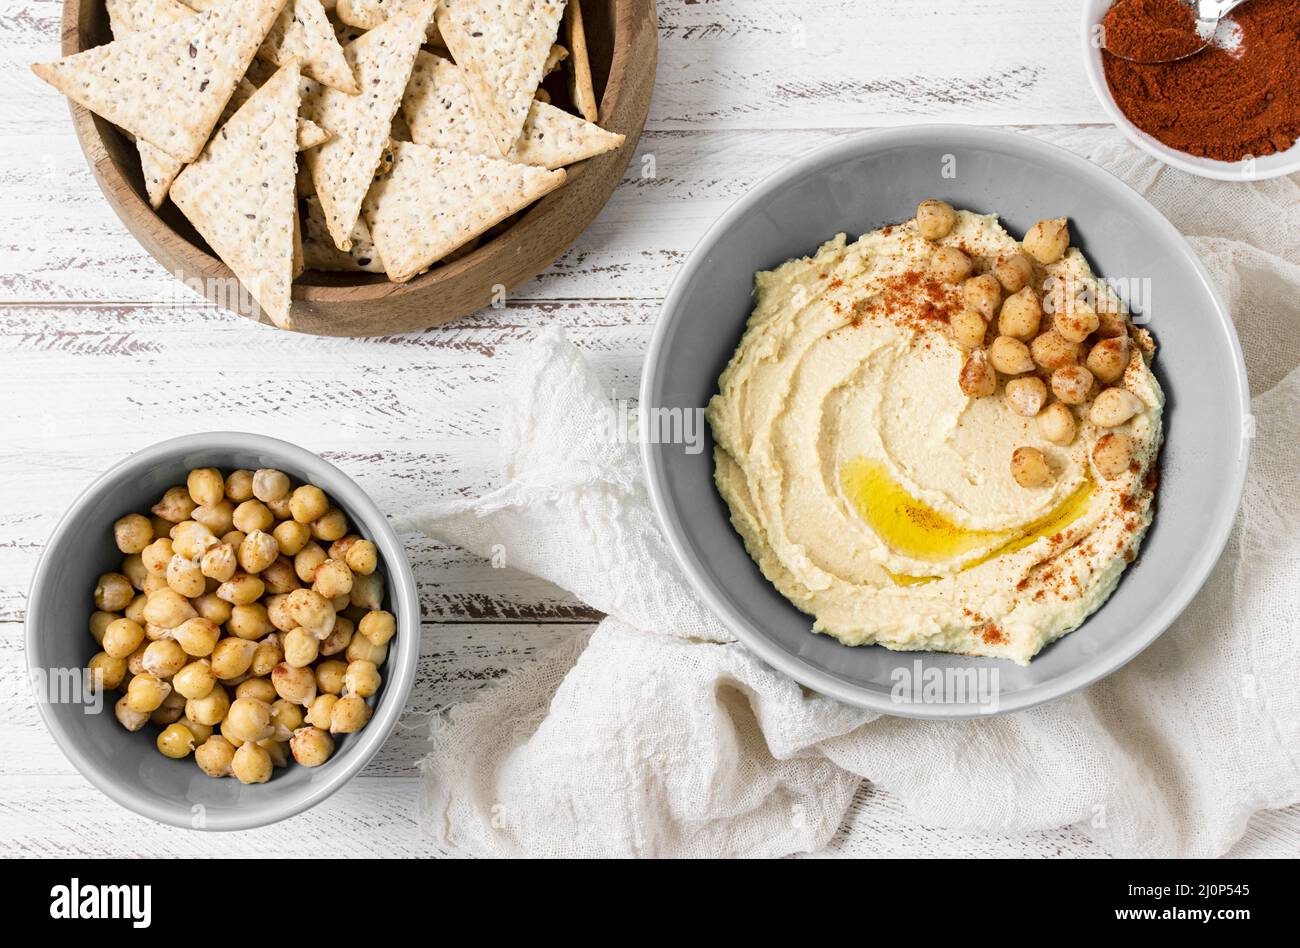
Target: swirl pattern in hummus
x,y
877,497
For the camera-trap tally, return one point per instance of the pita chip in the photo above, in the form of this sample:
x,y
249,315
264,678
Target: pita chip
x,y
169,84
501,47
440,113
433,201
342,168
239,194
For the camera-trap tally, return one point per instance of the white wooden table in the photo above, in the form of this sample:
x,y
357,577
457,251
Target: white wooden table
x,y
102,352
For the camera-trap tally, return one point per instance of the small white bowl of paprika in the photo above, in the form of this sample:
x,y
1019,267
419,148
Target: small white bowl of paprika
x,y
1256,108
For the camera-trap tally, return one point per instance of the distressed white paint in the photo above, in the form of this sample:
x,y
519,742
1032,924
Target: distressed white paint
x,y
101,352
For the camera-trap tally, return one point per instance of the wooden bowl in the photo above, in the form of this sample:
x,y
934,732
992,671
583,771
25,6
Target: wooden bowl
x,y
623,48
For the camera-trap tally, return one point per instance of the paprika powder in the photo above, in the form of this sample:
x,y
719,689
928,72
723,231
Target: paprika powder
x,y
1221,103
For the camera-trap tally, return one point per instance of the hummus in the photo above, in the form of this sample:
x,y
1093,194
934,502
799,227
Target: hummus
x,y
877,497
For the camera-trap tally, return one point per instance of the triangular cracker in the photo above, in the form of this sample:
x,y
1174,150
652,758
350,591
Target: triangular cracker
x,y
239,194
367,14
441,114
501,47
433,201
343,167
168,85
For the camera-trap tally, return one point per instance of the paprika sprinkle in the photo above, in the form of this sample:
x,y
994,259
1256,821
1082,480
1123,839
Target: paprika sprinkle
x,y
1224,104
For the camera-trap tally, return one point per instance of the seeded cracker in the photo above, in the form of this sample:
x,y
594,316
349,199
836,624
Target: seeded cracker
x,y
342,168
441,114
580,87
501,47
367,14
168,85
433,201
239,194
319,252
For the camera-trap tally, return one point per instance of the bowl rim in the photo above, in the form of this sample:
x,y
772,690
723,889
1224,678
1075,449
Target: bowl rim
x,y
1151,627
1287,162
401,664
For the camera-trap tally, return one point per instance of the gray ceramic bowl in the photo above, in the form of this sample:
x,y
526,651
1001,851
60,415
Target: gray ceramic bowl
x,y
127,766
863,183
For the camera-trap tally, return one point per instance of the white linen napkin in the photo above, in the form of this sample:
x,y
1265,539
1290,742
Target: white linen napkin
x,y
658,735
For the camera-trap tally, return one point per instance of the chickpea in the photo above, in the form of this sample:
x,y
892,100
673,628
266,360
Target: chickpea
x,y
205,485
164,658
286,717
152,583
252,515
280,509
1072,384
167,609
211,708
362,649
362,678
321,710
1048,240
99,623
214,756
340,638
184,577
232,657
122,637
311,746
1021,315
251,764
227,730
241,589
1112,454
1108,359
311,611
211,608
162,529
113,592
146,692
156,632
219,563
270,484
1029,468
977,379
135,610
239,486
277,613
257,552
176,741
950,265
1010,356
1027,395
106,672
234,538
132,533
341,602
300,647
269,654
338,550
296,685
278,751
332,525
201,732
249,621
192,539
259,689
368,591
129,718
1111,322
1078,323
157,555
1056,424
935,219
291,536
134,570
176,505
195,680
197,636
308,560
1014,271
333,579
280,577
135,661
968,328
362,557
1053,351
219,518
1114,406
982,294
308,503
351,713
250,719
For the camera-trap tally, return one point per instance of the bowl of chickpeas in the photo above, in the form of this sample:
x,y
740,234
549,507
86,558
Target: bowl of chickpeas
x,y
222,630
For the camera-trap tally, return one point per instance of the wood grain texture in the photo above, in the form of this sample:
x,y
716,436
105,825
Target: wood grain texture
x,y
104,351
623,34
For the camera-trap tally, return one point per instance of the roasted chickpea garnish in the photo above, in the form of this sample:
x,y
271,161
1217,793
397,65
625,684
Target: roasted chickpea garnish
x,y
1027,395
935,219
1114,406
1112,454
983,294
950,265
1021,315
1010,356
1014,272
1056,424
1048,240
978,379
1029,467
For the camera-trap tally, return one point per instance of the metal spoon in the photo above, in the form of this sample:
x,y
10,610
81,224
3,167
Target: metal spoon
x,y
1208,14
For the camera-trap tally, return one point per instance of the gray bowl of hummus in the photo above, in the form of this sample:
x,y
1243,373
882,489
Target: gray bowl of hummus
x,y
979,421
